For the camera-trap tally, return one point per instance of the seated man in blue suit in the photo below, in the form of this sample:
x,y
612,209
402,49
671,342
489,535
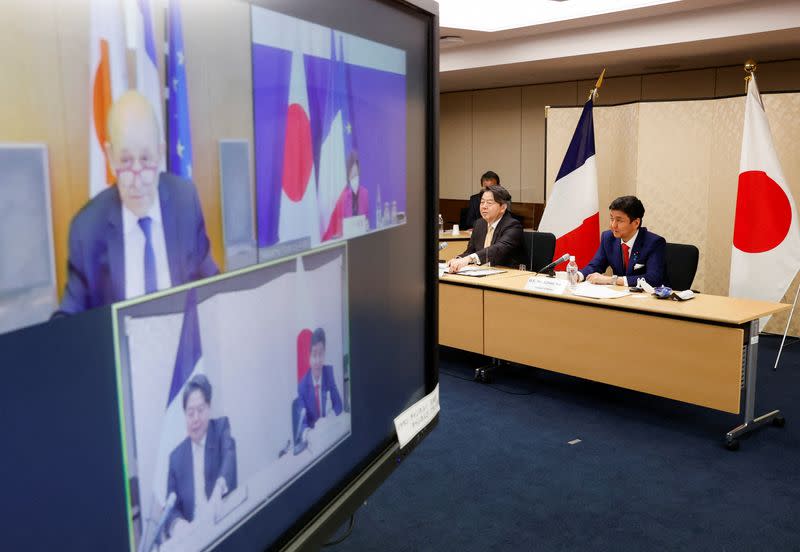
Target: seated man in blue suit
x,y
628,248
318,384
202,469
144,234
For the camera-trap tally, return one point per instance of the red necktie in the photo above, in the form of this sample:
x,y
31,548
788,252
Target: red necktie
x,y
625,250
316,396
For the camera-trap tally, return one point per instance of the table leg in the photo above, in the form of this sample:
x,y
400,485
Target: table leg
x,y
751,423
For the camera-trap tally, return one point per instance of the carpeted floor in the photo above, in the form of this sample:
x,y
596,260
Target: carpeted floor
x,y
649,473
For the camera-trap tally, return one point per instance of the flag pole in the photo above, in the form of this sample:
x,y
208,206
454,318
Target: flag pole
x,y
749,68
597,85
786,330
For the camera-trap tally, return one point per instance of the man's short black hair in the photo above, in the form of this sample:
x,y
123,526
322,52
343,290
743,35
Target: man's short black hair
x,y
630,205
318,337
500,194
490,175
198,383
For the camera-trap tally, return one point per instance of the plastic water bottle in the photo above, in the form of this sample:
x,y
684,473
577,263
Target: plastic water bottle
x,y
393,213
378,212
572,272
441,224
386,221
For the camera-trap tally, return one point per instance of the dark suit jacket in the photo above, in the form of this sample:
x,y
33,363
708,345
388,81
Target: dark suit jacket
x,y
507,243
220,461
305,390
648,251
473,212
96,265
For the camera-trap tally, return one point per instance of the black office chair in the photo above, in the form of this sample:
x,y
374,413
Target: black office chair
x,y
539,248
680,265
462,218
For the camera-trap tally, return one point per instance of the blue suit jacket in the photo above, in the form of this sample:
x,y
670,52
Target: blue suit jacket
x,y
96,265
305,390
648,251
220,461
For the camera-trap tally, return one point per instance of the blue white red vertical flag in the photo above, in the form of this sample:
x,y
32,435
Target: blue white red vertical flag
x,y
298,217
332,174
148,82
179,137
109,79
572,211
766,239
188,362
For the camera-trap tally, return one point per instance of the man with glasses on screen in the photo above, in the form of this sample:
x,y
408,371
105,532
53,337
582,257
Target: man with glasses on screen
x,y
497,236
142,235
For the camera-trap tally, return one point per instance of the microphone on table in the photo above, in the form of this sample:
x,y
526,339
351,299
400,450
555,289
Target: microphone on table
x,y
168,507
549,268
442,245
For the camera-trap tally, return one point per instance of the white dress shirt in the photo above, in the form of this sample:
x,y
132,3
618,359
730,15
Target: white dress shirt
x,y
199,470
629,243
134,240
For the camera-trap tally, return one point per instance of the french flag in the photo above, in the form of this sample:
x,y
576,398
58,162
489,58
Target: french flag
x,y
332,175
188,362
572,212
147,80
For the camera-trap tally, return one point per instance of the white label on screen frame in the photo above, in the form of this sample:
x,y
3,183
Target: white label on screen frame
x,y
416,417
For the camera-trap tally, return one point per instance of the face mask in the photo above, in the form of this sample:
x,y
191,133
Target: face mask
x,y
354,183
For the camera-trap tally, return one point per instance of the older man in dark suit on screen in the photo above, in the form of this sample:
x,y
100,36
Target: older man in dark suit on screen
x,y
497,236
143,234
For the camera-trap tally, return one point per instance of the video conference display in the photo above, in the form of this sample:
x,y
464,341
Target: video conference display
x,y
243,187
220,418
328,157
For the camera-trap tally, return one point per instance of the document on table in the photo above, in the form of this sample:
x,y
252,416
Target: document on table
x,y
470,270
593,291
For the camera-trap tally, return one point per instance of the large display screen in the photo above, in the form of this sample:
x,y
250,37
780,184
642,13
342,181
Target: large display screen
x,y
217,289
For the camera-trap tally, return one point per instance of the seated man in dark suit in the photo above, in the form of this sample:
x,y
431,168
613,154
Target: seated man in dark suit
x,y
202,469
144,234
497,236
318,384
628,248
489,178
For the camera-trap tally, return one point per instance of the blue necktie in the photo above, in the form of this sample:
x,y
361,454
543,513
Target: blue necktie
x,y
150,281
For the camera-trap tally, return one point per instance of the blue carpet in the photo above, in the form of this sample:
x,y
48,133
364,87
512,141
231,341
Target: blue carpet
x,y
649,473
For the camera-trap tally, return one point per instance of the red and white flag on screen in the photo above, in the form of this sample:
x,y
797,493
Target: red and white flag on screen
x,y
766,239
108,79
298,211
572,212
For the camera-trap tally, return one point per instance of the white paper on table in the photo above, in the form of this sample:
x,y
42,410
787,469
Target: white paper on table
x,y
586,289
414,418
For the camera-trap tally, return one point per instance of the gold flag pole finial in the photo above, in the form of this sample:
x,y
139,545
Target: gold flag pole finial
x,y
749,68
597,85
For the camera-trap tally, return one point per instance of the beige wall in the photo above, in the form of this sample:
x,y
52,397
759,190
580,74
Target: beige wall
x,y
478,131
44,96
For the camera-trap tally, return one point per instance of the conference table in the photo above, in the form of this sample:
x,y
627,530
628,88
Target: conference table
x,y
702,351
456,244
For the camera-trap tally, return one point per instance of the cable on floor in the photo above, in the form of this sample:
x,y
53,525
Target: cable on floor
x,y
346,534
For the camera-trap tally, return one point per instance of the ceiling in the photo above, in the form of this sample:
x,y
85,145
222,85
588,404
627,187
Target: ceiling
x,y
667,37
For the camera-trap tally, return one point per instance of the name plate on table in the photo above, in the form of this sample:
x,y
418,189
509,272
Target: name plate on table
x,y
553,286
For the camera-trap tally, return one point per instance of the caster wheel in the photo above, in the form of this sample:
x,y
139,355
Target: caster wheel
x,y
732,444
779,421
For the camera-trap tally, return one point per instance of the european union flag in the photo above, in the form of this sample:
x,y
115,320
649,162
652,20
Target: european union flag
x,y
179,138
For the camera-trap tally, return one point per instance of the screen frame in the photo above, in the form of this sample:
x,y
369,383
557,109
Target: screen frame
x,y
313,532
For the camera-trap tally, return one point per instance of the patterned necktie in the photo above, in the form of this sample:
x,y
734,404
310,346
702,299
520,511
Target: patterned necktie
x,y
150,281
355,204
625,250
488,241
316,396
